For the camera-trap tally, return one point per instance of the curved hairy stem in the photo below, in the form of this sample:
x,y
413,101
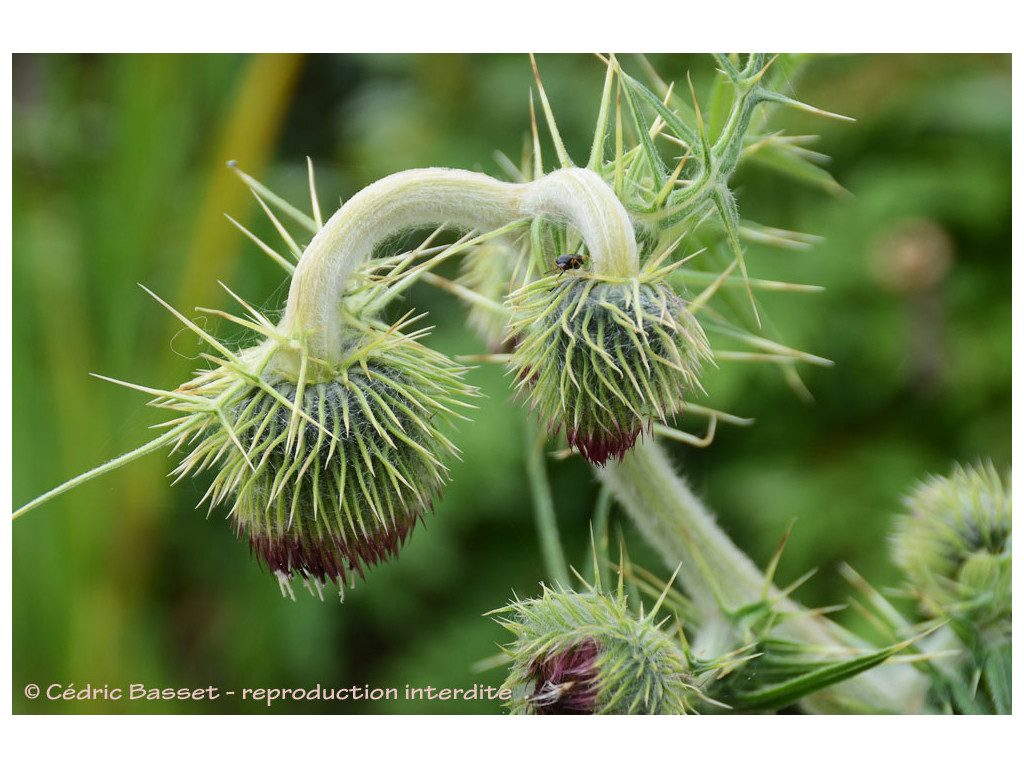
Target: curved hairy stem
x,y
425,196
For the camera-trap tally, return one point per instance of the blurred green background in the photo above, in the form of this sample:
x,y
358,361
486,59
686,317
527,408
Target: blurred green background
x,y
120,178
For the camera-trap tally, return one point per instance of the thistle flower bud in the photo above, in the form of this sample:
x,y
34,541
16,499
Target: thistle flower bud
x,y
583,653
329,474
955,545
600,359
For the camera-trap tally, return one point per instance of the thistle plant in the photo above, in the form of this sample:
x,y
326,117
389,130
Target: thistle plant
x,y
607,289
326,434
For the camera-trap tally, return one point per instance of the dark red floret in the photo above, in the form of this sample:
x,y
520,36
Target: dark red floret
x,y
565,681
328,558
599,446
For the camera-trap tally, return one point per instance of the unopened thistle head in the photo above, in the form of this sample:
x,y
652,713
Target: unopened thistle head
x,y
955,545
599,360
327,467
584,653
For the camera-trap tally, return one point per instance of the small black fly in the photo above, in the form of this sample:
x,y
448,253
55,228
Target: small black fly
x,y
569,261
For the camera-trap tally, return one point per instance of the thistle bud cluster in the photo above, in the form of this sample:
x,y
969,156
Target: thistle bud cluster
x,y
326,437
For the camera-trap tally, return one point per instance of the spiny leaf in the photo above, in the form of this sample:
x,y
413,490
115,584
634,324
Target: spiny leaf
x,y
774,697
654,161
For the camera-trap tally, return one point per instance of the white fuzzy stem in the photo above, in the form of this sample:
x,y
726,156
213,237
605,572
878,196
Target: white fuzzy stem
x,y
429,196
581,198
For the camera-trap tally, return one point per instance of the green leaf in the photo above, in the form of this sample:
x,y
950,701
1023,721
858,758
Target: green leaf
x,y
775,696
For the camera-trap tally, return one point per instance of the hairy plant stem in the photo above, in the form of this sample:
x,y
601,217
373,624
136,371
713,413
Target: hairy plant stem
x,y
675,522
721,579
544,507
429,196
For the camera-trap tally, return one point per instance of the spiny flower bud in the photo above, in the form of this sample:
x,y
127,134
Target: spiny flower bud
x,y
330,474
583,653
955,546
600,359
